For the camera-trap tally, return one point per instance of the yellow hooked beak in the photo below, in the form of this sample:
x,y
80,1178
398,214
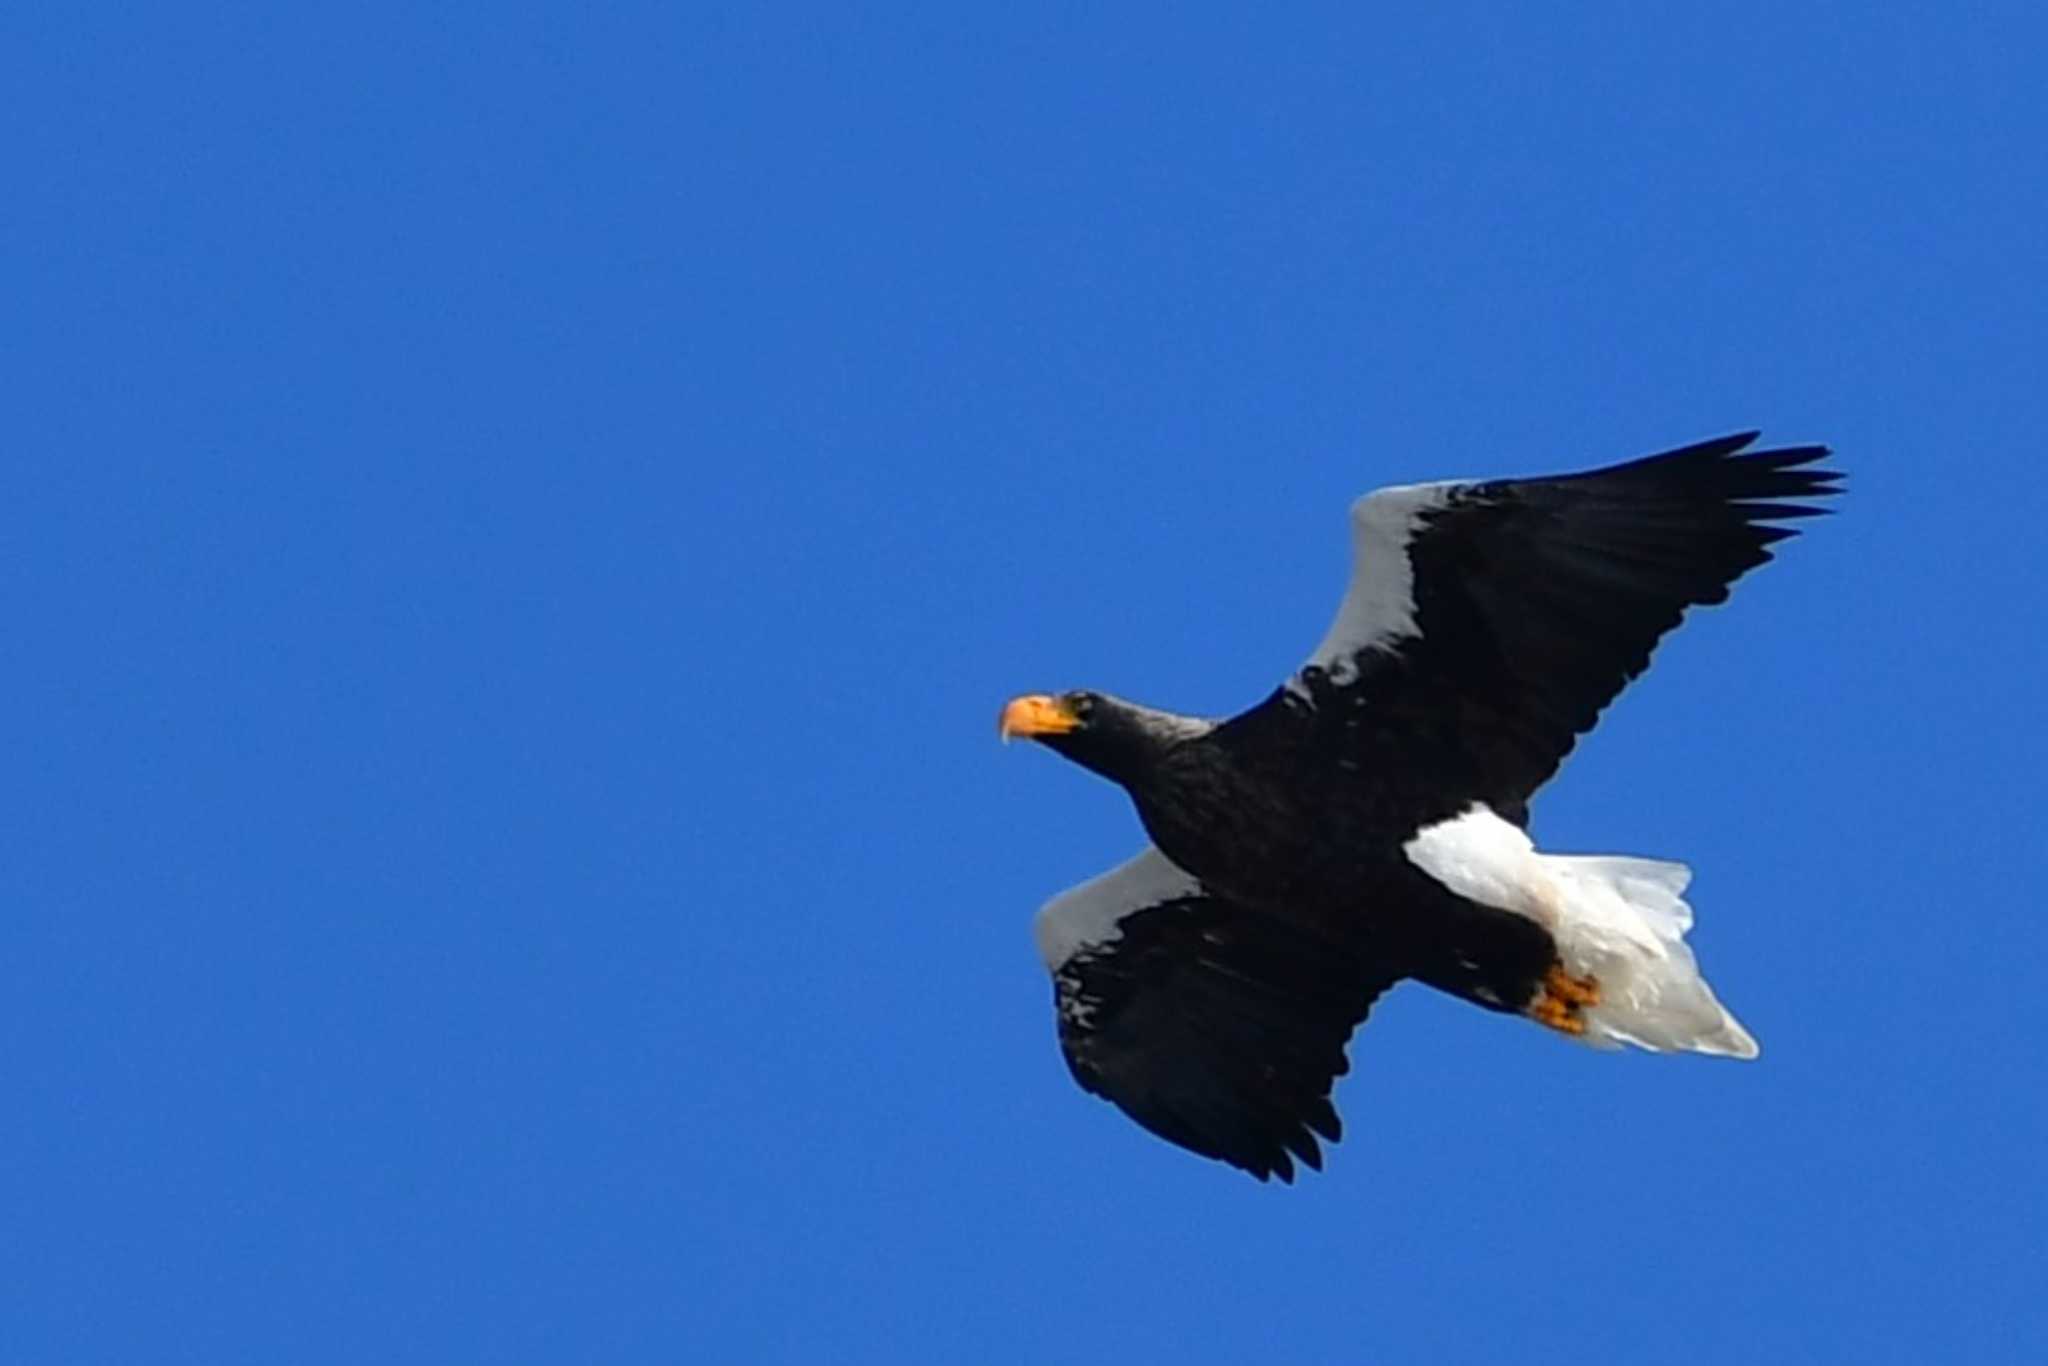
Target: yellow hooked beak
x,y
1036,714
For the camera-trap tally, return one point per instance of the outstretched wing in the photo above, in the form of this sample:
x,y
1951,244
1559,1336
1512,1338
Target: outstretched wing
x,y
1488,624
1215,1027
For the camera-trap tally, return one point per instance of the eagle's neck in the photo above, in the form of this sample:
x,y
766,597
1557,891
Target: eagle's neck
x,y
1127,743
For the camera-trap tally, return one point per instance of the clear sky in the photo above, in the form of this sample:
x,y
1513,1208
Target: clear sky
x,y
519,521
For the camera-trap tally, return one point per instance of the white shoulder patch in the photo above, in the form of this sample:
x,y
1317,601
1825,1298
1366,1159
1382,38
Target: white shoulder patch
x,y
1379,605
1487,859
1090,914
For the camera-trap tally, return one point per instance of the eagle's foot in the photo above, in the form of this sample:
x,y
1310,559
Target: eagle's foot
x,y
1560,999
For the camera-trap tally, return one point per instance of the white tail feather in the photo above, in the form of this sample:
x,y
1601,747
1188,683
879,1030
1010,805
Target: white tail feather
x,y
1622,921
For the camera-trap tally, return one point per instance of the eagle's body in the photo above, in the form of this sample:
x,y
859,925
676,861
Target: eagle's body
x,y
1269,818
1366,822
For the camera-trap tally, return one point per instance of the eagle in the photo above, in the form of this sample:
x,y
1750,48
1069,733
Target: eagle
x,y
1368,823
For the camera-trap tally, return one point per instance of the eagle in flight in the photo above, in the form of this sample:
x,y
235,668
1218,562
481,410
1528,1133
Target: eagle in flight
x,y
1368,822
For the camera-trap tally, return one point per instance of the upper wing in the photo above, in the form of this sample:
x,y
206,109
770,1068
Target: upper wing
x,y
1488,624
1215,1027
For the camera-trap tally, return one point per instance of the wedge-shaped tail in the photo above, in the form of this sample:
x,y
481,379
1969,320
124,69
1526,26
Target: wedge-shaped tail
x,y
1619,924
1623,922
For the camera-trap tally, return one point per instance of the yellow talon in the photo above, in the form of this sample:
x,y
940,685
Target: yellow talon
x,y
1577,991
1560,999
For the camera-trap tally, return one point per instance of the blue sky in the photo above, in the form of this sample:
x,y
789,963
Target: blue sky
x,y
519,522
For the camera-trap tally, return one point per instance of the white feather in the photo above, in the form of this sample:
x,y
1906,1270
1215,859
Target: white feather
x,y
1379,604
1619,920
1090,914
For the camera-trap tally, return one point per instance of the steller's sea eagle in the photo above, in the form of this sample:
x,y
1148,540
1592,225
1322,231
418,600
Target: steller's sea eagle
x,y
1368,821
